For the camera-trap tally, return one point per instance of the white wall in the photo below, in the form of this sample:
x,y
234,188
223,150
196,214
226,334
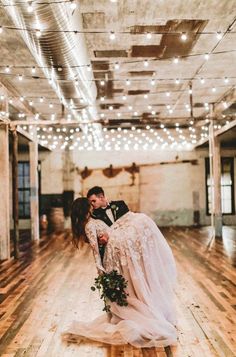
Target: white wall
x,y
168,192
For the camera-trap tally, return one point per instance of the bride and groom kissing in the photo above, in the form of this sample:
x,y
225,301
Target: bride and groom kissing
x,y
131,244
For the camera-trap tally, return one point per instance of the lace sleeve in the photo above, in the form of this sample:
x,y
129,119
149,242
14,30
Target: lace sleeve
x,y
91,233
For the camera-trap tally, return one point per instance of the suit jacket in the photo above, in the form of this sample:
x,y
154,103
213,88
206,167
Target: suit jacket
x,y
118,209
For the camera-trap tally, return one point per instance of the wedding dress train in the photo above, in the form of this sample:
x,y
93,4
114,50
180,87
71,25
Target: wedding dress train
x,y
137,250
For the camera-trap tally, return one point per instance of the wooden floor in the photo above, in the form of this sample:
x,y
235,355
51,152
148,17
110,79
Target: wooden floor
x,y
50,286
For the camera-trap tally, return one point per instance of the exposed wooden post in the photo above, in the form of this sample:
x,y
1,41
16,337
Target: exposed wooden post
x,y
217,186
4,193
34,189
15,198
215,170
191,98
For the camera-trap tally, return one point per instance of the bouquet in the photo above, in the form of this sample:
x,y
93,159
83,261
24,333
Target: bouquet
x,y
112,288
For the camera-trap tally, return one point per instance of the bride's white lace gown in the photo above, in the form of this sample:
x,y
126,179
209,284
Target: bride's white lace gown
x,y
138,250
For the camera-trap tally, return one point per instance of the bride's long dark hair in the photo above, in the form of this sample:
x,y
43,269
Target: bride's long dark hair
x,y
79,217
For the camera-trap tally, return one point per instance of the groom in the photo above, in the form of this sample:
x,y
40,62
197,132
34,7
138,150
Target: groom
x,y
108,212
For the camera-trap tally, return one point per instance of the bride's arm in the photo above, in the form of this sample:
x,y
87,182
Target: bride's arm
x,y
91,234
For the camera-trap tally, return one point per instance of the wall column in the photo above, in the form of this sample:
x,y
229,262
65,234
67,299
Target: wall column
x,y
215,159
34,189
4,193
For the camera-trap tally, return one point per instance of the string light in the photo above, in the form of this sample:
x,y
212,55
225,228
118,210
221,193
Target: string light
x,y
145,63
20,77
202,80
102,82
149,36
1,29
33,70
117,66
176,60
30,8
127,82
207,56
112,36
183,36
7,69
219,35
38,33
73,5
153,82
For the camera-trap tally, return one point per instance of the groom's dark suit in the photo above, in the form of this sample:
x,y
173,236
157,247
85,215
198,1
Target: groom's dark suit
x,y
118,209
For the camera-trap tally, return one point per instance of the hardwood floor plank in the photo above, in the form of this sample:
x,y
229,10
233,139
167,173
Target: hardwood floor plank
x,y
49,287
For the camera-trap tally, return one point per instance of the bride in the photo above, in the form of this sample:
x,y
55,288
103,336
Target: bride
x,y
137,250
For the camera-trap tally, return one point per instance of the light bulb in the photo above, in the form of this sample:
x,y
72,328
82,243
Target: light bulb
x,y
38,33
73,5
153,82
33,70
20,77
7,69
89,68
102,83
41,100
202,80
117,66
127,82
226,80
219,35
207,56
183,36
149,35
112,36
177,81
145,63
30,8
1,29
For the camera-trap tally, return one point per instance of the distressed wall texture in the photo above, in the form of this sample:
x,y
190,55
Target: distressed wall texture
x,y
171,193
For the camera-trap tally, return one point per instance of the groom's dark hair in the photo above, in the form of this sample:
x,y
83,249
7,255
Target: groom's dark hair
x,y
96,190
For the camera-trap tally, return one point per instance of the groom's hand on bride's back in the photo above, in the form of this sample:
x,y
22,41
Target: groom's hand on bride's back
x,y
103,239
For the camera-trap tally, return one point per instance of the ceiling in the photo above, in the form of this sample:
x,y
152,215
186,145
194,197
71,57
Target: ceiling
x,y
146,78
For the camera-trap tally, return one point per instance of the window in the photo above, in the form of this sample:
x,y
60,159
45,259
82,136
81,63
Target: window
x,y
24,189
227,186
